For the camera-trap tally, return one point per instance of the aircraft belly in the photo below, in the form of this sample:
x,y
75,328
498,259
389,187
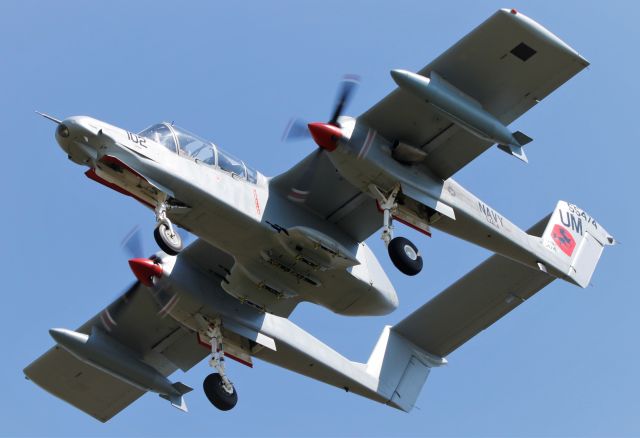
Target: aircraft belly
x,y
268,277
268,273
268,284
290,346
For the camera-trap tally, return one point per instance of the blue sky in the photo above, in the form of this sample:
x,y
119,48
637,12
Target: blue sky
x,y
564,363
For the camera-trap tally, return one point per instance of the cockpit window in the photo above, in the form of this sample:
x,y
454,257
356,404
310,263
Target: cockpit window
x,y
162,134
202,151
196,148
252,175
230,164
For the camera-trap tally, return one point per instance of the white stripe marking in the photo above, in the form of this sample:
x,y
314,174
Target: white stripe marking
x,y
371,135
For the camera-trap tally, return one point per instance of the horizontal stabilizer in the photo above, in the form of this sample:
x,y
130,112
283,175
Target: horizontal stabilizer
x,y
472,303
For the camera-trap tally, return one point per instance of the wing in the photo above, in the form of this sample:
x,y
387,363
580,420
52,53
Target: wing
x,y
473,303
83,386
133,320
329,196
507,64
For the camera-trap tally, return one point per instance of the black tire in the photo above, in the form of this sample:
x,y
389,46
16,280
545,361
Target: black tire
x,y
405,256
216,393
172,245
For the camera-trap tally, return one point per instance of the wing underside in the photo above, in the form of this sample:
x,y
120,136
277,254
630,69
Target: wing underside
x,y
83,386
507,65
330,196
134,321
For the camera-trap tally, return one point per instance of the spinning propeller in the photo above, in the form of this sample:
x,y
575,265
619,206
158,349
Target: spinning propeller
x,y
145,269
326,136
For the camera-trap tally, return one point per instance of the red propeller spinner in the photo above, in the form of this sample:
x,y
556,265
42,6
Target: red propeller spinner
x,y
145,270
325,135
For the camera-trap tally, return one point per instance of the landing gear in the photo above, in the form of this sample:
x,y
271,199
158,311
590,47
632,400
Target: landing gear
x,y
217,386
404,254
166,236
217,394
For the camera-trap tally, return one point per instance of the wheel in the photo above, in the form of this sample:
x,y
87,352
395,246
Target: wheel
x,y
217,395
405,256
168,241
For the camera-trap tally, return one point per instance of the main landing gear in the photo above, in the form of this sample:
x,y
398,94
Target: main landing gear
x,y
165,234
402,252
217,386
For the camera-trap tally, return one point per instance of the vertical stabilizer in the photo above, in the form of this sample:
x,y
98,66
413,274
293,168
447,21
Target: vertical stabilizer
x,y
401,368
577,238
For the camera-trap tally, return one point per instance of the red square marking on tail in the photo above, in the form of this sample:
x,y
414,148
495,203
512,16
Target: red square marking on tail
x,y
563,238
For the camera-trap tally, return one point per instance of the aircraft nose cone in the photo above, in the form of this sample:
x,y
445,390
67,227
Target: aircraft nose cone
x,y
76,137
145,270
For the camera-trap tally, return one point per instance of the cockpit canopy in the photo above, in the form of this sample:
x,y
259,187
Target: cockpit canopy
x,y
186,144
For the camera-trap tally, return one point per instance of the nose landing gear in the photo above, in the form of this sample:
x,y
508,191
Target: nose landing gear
x,y
165,234
403,253
217,386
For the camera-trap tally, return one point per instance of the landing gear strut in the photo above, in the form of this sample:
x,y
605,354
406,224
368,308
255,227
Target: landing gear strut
x,y
165,234
402,252
217,386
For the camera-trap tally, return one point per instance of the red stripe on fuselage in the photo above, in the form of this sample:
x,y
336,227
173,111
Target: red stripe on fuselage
x,y
410,225
402,221
230,356
91,174
108,159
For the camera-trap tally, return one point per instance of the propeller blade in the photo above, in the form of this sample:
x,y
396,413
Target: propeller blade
x,y
110,316
143,269
132,243
302,187
296,130
348,86
166,299
326,135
